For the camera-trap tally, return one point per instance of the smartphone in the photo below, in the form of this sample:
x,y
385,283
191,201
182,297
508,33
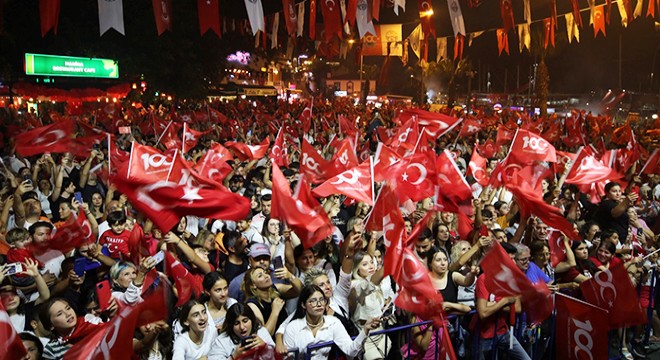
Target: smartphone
x,y
159,257
640,231
483,231
79,266
597,235
103,294
246,340
14,268
28,179
388,310
278,263
78,196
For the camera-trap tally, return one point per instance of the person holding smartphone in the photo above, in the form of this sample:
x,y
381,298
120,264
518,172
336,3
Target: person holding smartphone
x,y
240,333
310,325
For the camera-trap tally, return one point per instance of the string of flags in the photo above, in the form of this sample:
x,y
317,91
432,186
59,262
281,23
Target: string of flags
x,y
340,17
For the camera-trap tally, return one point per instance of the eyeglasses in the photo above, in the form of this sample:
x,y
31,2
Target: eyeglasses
x,y
315,302
523,260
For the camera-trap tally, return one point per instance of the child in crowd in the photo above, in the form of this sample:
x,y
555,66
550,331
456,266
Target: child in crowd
x,y
115,240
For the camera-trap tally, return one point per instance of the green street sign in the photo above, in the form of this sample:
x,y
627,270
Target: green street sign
x,y
53,65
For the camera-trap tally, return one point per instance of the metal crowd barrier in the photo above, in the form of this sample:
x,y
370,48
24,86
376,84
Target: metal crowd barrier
x,y
519,328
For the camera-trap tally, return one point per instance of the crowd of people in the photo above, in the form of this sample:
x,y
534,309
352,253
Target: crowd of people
x,y
261,291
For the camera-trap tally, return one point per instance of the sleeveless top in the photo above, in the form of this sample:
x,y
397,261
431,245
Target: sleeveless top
x,y
266,309
450,292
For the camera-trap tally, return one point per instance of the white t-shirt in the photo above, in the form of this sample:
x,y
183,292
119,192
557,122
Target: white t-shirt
x,y
185,349
223,347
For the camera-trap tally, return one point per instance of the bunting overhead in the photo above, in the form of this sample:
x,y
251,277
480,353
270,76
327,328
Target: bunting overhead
x,y
111,16
456,17
209,16
49,14
255,12
162,15
386,35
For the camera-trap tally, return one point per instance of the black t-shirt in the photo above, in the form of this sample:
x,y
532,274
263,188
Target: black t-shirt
x,y
89,190
55,206
233,270
607,221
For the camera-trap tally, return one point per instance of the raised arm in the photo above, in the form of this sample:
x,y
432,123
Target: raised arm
x,y
188,252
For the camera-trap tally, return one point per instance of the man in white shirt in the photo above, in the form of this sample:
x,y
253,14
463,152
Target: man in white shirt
x,y
258,220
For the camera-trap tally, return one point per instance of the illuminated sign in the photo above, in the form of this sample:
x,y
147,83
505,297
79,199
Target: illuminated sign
x,y
239,57
260,91
52,65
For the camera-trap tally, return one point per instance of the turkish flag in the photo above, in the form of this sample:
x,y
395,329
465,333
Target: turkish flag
x,y
217,116
186,284
535,173
563,159
170,137
414,277
531,202
313,165
487,149
191,137
114,339
347,127
425,143
470,126
477,168
552,132
303,213
581,330
652,165
279,152
49,13
331,19
69,236
414,177
290,16
213,165
586,170
147,164
249,152
12,345
162,15
385,134
345,158
504,278
54,138
436,124
209,16
393,234
506,11
383,161
406,137
612,290
186,193
528,147
351,12
557,248
385,202
454,195
356,183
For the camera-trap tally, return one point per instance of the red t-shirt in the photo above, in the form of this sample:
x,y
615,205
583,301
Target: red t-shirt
x,y
614,262
487,325
117,244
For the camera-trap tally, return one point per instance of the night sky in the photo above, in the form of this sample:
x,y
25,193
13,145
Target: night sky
x,y
589,65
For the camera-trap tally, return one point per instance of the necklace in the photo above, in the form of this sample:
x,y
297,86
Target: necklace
x,y
314,326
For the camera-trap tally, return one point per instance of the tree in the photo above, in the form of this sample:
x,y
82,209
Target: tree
x,y
450,72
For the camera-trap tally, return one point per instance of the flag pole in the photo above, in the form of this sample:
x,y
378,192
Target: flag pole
x,y
163,133
130,160
109,153
176,152
183,143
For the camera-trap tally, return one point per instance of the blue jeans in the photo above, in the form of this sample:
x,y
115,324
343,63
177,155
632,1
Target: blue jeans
x,y
502,343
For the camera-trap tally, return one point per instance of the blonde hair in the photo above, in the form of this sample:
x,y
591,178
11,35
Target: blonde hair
x,y
250,289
